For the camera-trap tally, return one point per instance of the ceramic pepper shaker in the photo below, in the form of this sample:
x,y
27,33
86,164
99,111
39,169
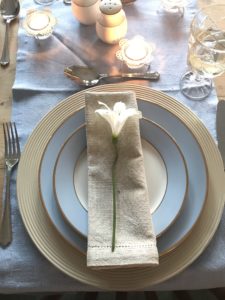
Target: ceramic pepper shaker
x,y
111,24
85,11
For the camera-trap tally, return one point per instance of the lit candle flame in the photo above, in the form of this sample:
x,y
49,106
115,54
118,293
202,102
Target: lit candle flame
x,y
135,52
38,21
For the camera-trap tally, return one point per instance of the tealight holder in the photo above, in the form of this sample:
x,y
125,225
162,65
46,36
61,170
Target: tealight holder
x,y
135,54
173,6
39,23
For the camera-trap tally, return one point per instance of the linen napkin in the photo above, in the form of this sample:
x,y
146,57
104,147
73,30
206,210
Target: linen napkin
x,y
135,239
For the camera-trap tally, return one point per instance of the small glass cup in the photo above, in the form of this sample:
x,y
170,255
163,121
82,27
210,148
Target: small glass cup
x,y
135,54
39,23
173,7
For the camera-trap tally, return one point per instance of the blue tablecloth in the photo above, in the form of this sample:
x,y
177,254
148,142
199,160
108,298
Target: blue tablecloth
x,y
40,84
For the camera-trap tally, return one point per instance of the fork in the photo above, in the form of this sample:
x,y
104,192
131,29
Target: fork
x,y
12,156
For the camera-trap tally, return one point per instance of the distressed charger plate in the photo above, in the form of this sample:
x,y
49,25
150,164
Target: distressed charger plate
x,y
71,261
165,173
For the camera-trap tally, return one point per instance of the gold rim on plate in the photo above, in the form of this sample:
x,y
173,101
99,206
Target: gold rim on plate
x,y
65,218
72,262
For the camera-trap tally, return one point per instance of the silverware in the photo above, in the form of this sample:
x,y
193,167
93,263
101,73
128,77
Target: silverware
x,y
12,156
9,11
87,76
220,128
67,2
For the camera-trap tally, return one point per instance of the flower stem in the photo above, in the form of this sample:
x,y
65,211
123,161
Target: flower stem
x,y
114,141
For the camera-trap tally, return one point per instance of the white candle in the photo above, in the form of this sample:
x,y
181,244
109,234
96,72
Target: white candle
x,y
38,21
135,52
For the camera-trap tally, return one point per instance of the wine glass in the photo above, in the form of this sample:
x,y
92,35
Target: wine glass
x,y
44,2
206,52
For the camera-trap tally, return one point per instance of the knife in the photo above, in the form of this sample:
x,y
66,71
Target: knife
x,y
220,128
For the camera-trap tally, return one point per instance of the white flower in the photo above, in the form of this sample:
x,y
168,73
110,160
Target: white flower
x,y
117,116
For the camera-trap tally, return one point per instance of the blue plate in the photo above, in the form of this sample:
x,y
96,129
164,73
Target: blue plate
x,y
193,156
165,172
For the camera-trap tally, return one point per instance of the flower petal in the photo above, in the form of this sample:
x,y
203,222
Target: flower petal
x,y
102,103
119,107
117,117
108,116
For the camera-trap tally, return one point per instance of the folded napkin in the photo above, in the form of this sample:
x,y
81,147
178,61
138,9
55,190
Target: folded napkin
x,y
135,239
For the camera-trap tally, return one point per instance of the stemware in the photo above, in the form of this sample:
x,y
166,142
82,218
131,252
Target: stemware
x,y
206,52
44,2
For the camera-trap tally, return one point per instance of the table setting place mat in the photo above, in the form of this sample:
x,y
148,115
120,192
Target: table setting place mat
x,y
45,108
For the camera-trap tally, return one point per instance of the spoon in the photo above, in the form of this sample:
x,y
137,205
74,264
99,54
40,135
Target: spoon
x,y
9,11
87,76
67,2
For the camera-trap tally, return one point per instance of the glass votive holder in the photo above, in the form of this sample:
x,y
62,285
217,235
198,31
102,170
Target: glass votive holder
x,y
39,23
173,6
135,54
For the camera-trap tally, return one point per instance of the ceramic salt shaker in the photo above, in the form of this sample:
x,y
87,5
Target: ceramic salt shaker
x,y
85,11
111,24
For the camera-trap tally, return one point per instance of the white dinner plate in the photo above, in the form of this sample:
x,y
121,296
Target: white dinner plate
x,y
165,173
196,169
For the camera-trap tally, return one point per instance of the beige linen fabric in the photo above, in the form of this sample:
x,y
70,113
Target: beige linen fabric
x,y
135,238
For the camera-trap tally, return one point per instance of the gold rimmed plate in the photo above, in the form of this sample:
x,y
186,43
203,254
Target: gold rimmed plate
x,y
196,168
165,173
71,261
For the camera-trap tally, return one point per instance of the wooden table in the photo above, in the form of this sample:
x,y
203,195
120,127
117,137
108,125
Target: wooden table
x,y
7,76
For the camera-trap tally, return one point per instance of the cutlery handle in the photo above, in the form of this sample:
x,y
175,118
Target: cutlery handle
x,y
6,226
146,76
5,53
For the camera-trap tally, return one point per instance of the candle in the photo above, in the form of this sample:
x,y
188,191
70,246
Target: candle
x,y
135,52
39,23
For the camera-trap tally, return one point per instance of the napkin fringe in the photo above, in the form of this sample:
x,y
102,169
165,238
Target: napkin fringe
x,y
123,246
102,258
